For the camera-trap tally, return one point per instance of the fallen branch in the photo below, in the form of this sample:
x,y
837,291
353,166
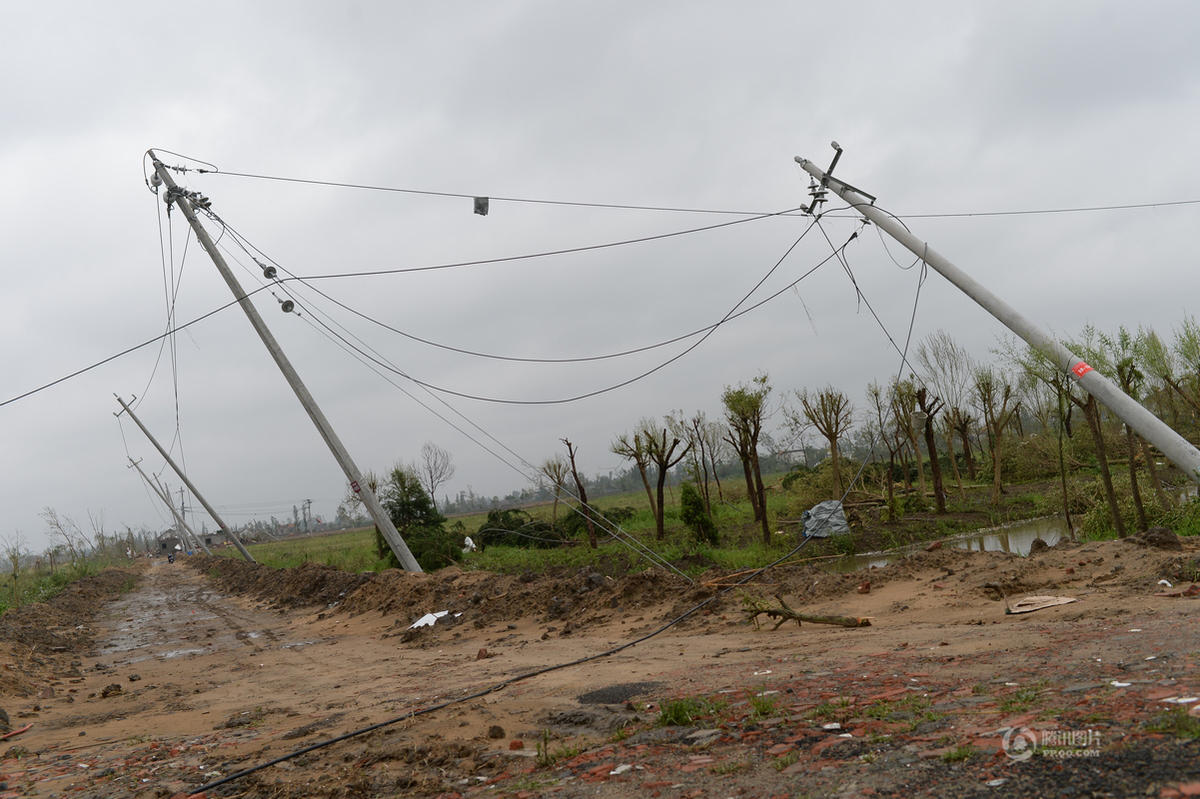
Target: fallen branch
x,y
756,607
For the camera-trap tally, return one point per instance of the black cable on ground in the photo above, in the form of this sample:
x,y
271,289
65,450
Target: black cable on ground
x,y
507,682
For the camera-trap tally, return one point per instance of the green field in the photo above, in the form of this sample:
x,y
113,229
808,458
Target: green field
x,y
741,543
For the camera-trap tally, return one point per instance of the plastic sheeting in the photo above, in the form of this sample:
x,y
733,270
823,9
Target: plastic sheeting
x,y
825,519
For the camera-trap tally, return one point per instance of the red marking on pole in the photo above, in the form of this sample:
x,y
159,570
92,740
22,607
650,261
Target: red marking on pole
x,y
354,485
1080,369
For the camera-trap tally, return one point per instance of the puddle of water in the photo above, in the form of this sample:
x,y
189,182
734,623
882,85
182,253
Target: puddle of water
x,y
175,653
1015,538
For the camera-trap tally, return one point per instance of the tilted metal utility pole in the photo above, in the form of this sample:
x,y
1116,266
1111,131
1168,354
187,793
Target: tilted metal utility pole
x,y
184,200
1175,447
224,529
184,530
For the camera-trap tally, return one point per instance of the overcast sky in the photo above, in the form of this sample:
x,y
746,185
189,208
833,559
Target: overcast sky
x,y
941,108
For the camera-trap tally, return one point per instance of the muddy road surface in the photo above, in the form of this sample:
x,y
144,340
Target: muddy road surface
x,y
208,668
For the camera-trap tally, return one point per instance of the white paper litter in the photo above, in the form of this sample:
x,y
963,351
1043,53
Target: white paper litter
x,y
428,620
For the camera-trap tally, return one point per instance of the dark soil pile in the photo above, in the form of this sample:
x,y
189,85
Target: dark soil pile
x,y
309,584
584,596
44,638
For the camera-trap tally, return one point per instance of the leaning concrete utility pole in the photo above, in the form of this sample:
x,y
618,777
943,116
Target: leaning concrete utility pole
x,y
184,530
224,529
165,490
1175,447
184,199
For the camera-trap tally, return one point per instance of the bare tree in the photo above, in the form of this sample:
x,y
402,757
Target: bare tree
x,y
904,402
930,406
436,467
831,414
555,470
14,550
585,509
662,455
635,447
998,403
68,532
883,410
950,368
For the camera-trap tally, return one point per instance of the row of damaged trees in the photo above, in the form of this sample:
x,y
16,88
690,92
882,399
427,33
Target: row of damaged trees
x,y
990,407
950,422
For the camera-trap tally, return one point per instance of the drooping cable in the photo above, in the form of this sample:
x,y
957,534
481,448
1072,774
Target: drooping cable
x,y
477,262
642,375
250,249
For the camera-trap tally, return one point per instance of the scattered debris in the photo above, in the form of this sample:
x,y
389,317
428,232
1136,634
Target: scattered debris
x,y
824,520
1031,603
428,620
17,731
1191,591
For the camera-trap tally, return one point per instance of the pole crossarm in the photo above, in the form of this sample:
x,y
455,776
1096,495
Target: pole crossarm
x,y
1175,447
187,201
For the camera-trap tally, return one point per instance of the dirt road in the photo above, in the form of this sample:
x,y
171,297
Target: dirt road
x,y
199,673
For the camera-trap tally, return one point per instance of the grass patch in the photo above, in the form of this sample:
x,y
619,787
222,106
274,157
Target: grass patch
x,y
32,586
959,753
685,711
1176,722
1022,699
786,760
548,756
762,707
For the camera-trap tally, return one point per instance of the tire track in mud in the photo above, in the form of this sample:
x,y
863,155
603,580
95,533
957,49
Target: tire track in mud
x,y
176,666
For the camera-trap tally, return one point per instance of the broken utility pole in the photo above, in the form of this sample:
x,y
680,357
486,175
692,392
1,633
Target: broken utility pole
x,y
184,530
1175,447
184,200
224,529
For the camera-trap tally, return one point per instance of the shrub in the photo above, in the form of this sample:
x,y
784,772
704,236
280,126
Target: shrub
x,y
693,514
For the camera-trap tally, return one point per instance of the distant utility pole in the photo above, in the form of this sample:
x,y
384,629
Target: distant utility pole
x,y
224,529
184,530
186,200
1177,449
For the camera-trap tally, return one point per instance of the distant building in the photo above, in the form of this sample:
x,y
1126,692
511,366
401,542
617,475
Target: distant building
x,y
169,542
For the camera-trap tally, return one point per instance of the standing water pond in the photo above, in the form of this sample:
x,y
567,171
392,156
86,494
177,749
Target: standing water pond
x,y
1016,538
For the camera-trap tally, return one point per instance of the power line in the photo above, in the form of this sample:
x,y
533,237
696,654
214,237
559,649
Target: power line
x,y
679,209
478,262
1043,211
490,197
550,253
246,246
596,392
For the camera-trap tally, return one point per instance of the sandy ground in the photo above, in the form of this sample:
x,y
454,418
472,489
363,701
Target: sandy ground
x,y
200,673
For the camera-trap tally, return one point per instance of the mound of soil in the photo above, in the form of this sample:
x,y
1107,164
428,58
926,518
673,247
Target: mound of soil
x,y
582,596
46,638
